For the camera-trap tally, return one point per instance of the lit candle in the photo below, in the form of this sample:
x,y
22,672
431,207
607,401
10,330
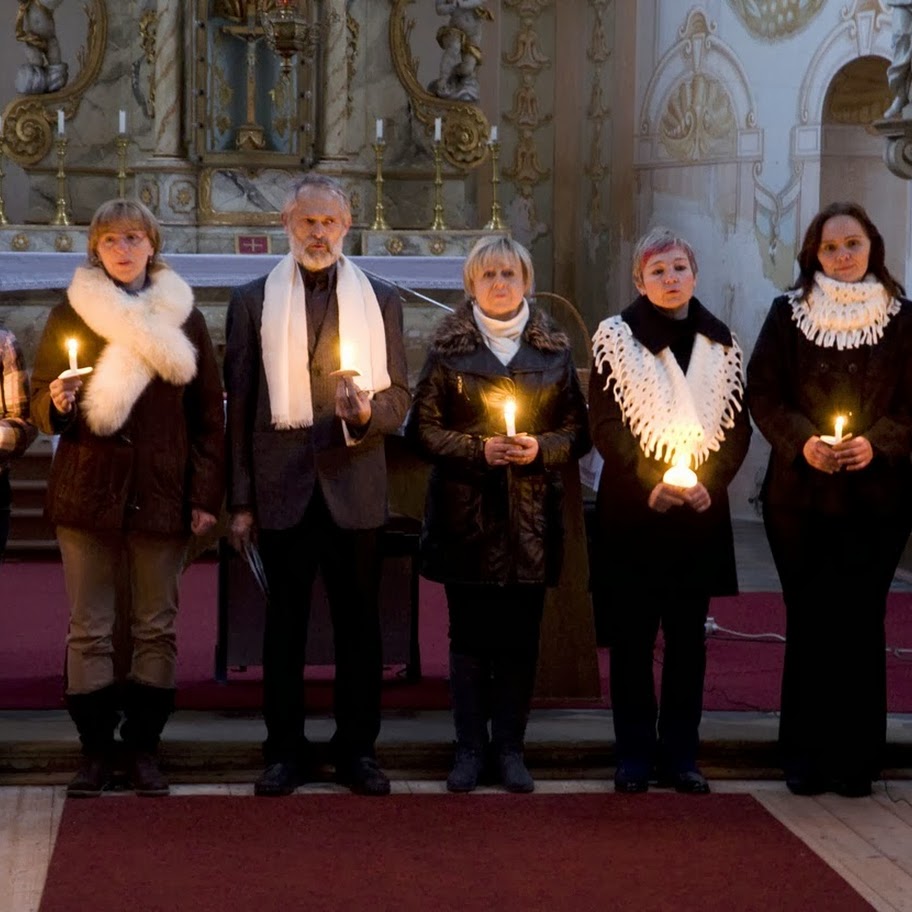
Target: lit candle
x,y
509,410
493,134
438,129
840,424
346,356
121,121
379,129
72,347
60,125
679,475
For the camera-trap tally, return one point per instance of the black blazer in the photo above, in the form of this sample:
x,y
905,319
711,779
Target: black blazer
x,y
273,472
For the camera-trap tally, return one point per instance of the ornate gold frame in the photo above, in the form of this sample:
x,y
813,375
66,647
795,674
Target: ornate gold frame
x,y
465,128
28,119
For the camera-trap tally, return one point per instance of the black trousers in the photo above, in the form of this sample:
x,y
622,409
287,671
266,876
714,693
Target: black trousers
x,y
349,562
647,731
835,573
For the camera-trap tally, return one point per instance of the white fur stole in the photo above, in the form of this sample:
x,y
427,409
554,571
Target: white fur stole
x,y
144,337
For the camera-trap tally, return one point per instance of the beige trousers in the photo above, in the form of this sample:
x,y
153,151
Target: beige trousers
x,y
114,578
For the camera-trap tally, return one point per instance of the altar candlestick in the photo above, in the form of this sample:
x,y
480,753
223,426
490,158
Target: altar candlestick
x,y
72,347
493,138
379,129
509,410
61,127
438,129
121,121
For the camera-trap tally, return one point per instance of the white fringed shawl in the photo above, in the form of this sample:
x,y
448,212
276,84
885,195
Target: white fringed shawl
x,y
843,314
675,417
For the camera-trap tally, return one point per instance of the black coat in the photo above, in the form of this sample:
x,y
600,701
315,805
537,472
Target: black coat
x,y
638,550
495,524
796,390
274,472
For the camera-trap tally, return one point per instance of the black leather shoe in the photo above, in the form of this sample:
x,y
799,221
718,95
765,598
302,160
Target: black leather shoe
x,y
364,777
806,785
91,777
687,782
467,768
514,775
853,787
630,781
277,779
147,779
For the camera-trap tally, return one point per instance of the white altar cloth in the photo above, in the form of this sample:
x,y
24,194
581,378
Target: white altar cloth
x,y
41,271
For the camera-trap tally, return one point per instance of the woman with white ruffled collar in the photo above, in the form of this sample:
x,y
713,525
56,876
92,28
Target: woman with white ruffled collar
x,y
665,388
837,506
139,467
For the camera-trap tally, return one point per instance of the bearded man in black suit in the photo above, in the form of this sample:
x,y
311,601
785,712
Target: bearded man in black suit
x,y
307,472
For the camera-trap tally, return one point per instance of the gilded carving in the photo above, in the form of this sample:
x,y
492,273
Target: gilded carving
x,y
181,196
699,121
27,120
395,246
775,19
148,195
20,242
437,246
63,243
351,55
465,128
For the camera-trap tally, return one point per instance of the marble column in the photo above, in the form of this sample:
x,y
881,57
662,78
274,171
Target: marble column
x,y
169,89
336,81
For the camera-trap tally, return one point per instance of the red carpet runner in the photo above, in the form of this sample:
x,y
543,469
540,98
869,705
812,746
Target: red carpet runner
x,y
338,853
741,675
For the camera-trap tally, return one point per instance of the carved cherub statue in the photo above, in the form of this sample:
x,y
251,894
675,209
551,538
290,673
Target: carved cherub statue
x,y
460,40
899,73
45,71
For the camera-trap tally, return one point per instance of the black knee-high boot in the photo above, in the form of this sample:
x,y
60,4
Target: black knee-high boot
x,y
513,679
469,685
95,716
147,710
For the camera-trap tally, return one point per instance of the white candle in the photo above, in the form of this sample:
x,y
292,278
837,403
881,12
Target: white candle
x,y
679,475
72,347
379,129
121,121
509,410
60,124
346,356
493,134
438,129
840,424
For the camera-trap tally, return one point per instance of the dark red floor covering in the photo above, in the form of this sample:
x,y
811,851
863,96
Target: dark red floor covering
x,y
338,853
741,675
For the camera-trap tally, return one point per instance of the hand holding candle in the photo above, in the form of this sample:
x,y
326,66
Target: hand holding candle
x,y
74,370
839,434
680,475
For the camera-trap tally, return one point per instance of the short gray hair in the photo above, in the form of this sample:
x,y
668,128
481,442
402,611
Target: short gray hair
x,y
319,182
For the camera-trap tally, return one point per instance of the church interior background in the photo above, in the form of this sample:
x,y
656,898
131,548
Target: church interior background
x,y
730,121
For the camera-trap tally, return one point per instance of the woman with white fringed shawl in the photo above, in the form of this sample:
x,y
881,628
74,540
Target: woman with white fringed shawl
x,y
665,393
830,385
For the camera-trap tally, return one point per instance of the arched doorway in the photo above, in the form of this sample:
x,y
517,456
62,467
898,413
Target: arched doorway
x,y
851,161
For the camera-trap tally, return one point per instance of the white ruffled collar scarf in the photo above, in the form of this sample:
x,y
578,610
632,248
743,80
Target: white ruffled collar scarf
x,y
844,314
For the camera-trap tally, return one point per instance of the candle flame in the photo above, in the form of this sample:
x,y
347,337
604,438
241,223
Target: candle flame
x,y
72,347
680,475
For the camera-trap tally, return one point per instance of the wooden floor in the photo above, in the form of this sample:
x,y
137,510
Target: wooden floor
x,y
866,840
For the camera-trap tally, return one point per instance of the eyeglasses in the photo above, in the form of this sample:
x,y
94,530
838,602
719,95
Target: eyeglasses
x,y
130,239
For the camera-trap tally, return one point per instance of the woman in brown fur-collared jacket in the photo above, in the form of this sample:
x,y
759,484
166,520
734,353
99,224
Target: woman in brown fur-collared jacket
x,y
492,529
139,466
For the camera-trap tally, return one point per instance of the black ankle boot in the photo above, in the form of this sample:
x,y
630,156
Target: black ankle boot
x,y
513,772
146,778
92,776
467,768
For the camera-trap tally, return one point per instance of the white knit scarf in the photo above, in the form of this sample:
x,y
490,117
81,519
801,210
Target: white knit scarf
x,y
144,337
503,337
844,314
283,331
675,417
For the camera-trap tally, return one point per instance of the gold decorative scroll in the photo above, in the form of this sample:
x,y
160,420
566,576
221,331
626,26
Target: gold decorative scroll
x,y
465,128
774,19
699,121
28,119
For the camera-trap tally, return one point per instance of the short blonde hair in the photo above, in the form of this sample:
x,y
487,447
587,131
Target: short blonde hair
x,y
659,240
121,213
492,250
